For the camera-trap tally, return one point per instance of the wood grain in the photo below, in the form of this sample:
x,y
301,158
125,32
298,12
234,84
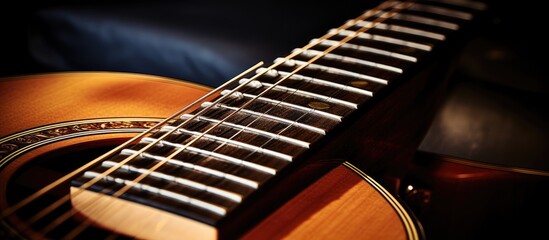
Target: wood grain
x,y
36,100
342,204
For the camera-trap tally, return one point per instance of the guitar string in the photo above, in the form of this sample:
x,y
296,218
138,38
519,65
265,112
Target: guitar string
x,y
140,178
127,187
161,123
261,114
352,22
67,177
288,57
288,94
297,70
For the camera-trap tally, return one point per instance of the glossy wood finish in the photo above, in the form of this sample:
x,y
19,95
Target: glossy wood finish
x,y
301,117
362,206
476,200
340,196
63,101
32,101
271,109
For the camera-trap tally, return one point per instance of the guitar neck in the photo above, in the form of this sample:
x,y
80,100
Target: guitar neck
x,y
219,163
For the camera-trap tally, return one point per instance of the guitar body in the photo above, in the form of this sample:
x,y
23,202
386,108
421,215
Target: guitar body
x,y
54,123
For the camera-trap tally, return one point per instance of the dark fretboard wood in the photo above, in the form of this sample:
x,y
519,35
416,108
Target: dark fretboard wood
x,y
219,157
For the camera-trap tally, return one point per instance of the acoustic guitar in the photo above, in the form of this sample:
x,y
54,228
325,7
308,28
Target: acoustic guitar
x,y
279,151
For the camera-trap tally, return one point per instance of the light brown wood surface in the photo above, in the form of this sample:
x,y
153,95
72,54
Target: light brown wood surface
x,y
36,100
342,205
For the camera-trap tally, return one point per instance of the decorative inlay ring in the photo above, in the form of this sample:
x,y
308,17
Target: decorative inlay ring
x,y
16,144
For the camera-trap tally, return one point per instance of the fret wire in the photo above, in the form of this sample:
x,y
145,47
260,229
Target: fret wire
x,y
129,158
313,95
244,181
293,141
330,49
408,30
81,169
138,179
211,154
271,117
333,70
291,105
118,193
150,170
323,82
176,196
148,173
91,182
369,50
367,14
235,143
263,73
278,83
342,58
427,21
233,113
385,39
11,210
186,182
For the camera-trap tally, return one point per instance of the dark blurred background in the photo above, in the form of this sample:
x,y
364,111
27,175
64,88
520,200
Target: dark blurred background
x,y
202,41
482,168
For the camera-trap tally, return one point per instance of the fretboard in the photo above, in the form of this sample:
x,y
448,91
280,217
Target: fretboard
x,y
207,163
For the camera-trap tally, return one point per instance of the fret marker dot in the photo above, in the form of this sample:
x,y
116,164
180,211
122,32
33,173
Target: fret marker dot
x,y
359,84
319,105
